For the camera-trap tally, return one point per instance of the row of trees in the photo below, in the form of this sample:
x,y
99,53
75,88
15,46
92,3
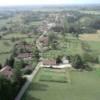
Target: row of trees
x,y
84,61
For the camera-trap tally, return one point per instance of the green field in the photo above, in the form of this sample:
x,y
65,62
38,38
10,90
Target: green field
x,y
15,35
83,86
90,12
95,45
3,58
53,75
66,46
6,46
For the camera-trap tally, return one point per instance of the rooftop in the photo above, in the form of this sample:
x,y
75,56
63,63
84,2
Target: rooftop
x,y
6,71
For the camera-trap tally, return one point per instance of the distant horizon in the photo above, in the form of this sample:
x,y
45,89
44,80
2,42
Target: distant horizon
x,y
45,5
11,3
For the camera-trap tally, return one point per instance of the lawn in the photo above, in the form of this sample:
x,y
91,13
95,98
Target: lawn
x,y
83,86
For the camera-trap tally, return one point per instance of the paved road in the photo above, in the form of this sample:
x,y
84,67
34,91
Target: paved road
x,y
29,80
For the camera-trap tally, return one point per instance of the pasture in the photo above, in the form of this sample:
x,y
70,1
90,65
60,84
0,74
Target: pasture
x,y
83,86
3,58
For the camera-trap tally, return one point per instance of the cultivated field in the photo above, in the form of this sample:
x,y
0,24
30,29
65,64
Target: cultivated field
x,y
90,12
91,37
93,41
83,86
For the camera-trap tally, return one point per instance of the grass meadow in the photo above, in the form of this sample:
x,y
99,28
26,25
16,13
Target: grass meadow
x,y
83,86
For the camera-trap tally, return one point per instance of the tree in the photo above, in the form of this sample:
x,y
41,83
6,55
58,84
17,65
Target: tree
x,y
66,25
36,54
0,66
14,52
7,62
58,60
52,37
11,61
90,57
17,71
54,45
6,91
78,62
0,36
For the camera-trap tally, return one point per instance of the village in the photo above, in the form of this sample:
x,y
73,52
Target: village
x,y
50,55
24,51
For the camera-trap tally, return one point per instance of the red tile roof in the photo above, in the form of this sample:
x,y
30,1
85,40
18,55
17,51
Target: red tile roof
x,y
25,55
49,62
24,46
6,71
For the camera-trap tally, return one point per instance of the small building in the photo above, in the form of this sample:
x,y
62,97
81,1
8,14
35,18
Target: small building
x,y
25,56
7,71
65,60
49,62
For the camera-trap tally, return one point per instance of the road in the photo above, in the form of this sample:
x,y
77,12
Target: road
x,y
29,80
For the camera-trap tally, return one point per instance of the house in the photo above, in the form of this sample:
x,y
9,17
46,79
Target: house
x,y
7,71
25,56
49,62
53,64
